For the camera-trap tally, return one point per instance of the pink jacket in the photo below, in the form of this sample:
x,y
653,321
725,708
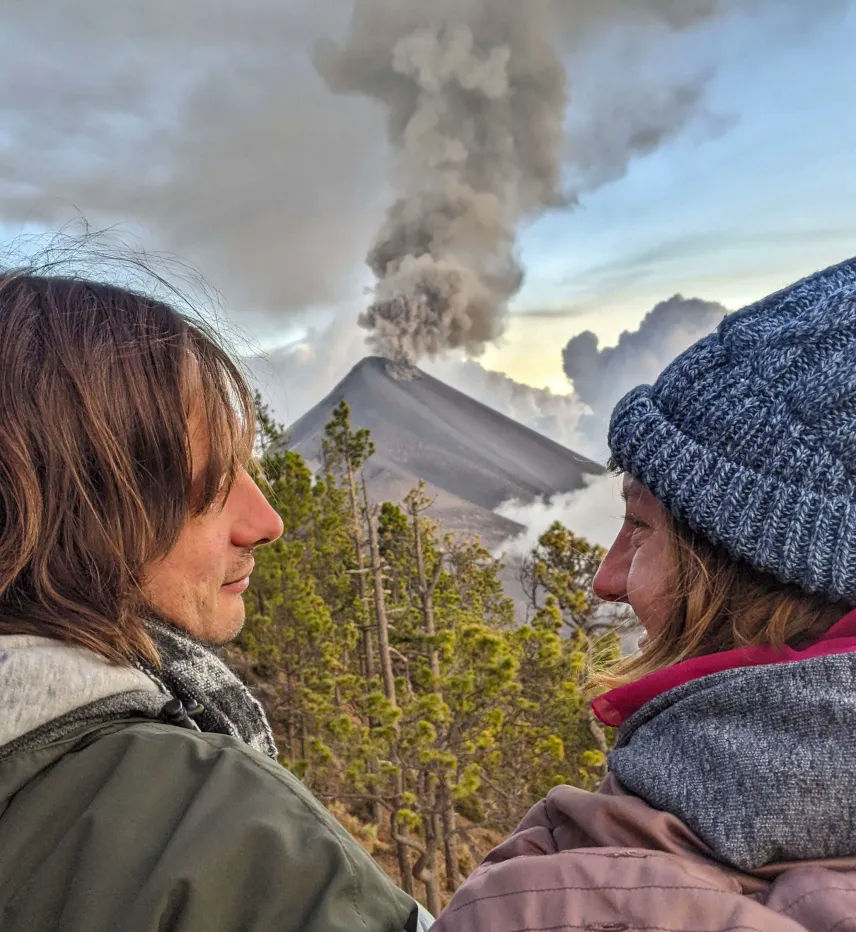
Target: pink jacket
x,y
609,862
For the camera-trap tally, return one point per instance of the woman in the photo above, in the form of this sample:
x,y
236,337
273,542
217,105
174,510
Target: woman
x,y
731,796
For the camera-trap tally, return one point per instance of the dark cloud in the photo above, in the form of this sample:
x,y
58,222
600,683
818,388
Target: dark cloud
x,y
602,376
205,125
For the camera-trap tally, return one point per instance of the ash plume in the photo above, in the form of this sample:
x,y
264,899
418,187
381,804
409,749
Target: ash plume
x,y
205,130
475,92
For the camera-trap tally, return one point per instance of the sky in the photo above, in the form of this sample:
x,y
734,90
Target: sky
x,y
208,134
728,217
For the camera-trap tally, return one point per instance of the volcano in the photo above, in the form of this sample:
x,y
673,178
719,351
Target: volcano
x,y
472,458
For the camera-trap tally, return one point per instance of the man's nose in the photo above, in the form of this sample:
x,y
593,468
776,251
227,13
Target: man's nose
x,y
269,525
260,524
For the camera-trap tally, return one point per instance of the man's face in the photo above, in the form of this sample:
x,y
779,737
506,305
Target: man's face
x,y
198,584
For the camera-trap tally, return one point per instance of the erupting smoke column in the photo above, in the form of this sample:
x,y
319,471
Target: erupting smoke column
x,y
476,96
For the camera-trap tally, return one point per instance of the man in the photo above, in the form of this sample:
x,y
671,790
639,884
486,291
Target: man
x,y
139,786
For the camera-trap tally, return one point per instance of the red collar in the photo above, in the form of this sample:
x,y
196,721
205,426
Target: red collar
x,y
616,706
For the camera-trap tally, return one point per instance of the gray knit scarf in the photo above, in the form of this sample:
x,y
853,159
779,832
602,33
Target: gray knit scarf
x,y
759,761
196,690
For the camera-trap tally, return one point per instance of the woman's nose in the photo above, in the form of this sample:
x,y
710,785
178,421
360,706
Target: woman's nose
x,y
610,580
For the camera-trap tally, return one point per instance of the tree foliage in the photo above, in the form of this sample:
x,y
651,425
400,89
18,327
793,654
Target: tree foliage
x,y
398,681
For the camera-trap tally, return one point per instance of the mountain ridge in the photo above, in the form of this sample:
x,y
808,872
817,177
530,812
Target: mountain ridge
x,y
472,457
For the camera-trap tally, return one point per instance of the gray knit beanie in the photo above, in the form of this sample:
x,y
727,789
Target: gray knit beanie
x,y
750,435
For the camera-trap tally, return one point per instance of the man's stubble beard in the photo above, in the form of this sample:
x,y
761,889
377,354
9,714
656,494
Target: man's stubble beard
x,y
150,613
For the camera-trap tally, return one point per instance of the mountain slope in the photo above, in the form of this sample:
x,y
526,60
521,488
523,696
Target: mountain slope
x,y
472,457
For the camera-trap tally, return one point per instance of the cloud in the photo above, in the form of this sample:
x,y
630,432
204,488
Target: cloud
x,y
203,125
601,377
205,128
639,81
595,513
295,377
559,313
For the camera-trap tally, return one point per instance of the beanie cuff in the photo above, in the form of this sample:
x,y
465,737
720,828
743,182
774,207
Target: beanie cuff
x,y
795,533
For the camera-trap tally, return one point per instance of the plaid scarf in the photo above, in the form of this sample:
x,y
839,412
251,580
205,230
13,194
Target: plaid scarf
x,y
192,673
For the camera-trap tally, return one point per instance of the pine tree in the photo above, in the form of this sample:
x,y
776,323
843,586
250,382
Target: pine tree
x,y
399,683
558,576
346,451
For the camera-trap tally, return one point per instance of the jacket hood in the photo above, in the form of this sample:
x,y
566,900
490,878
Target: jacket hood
x,y
757,761
42,680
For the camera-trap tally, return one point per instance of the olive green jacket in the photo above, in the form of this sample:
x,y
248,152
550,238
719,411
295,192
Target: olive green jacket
x,y
140,826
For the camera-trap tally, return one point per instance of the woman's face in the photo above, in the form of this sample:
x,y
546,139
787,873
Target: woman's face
x,y
639,567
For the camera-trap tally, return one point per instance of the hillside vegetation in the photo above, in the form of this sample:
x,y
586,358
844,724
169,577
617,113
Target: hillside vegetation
x,y
401,689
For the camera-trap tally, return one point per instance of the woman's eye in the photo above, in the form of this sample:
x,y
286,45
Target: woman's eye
x,y
635,522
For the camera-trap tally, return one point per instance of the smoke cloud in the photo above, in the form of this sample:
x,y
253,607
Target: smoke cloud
x,y
475,92
601,377
595,512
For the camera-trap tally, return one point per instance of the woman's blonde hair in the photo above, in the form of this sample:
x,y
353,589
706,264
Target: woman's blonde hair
x,y
720,604
99,387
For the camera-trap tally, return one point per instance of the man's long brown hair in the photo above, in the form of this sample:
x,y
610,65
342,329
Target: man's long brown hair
x,y
98,389
720,604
